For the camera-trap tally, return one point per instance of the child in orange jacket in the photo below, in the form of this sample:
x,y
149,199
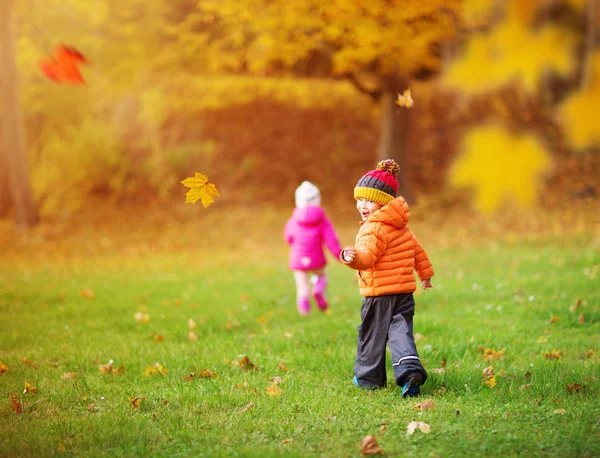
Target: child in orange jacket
x,y
386,254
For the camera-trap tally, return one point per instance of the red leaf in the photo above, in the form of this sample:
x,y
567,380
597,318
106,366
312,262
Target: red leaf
x,y
62,66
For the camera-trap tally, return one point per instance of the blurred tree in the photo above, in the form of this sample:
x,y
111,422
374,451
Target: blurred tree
x,y
12,151
381,46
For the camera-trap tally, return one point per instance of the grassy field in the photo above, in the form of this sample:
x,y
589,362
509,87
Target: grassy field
x,y
527,306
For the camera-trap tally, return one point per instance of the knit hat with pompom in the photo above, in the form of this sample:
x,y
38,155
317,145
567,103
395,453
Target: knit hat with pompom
x,y
307,194
379,185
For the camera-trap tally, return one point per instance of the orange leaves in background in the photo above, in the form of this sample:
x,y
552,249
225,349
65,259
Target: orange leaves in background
x,y
405,100
368,446
3,368
200,189
62,66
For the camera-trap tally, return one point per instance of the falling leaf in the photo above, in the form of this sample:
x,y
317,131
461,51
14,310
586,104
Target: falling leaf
x,y
247,406
135,402
368,446
192,324
200,189
274,390
282,367
3,368
142,317
575,388
87,293
425,405
192,336
405,100
554,354
207,373
69,375
560,411
62,66
16,405
246,364
29,388
414,425
489,354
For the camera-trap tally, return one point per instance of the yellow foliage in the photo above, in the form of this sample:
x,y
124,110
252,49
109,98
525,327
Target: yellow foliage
x,y
499,165
513,52
578,112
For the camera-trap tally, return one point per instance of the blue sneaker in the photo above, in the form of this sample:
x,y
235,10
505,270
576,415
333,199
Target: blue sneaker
x,y
355,381
412,386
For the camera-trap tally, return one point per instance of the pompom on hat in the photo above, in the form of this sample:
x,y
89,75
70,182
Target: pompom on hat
x,y
379,185
307,194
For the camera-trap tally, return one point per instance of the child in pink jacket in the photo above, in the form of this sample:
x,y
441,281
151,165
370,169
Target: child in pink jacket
x,y
306,231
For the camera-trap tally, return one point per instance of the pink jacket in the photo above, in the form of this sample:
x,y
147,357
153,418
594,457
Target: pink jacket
x,y
306,231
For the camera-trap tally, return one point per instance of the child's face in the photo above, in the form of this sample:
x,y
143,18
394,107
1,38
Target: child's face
x,y
366,208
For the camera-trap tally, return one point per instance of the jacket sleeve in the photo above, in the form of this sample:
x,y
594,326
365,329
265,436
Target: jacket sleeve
x,y
331,239
369,248
288,232
422,264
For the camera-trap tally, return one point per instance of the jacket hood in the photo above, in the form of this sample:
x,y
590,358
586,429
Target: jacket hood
x,y
308,216
396,213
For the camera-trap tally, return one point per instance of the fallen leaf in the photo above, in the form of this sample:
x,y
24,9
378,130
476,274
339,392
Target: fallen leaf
x,y
207,373
192,336
91,407
61,447
155,369
29,388
87,293
581,318
405,100
200,189
288,335
490,354
368,446
575,388
188,378
525,387
105,368
282,367
425,405
444,362
560,411
438,370
158,338
527,375
414,425
276,380
491,382
382,427
575,306
274,390
588,354
135,402
16,405
3,367
418,336
554,354
69,375
247,406
192,324
554,319
246,364
142,317
286,441
29,363
488,372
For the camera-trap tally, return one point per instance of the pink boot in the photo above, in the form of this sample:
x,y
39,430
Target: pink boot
x,y
303,306
319,292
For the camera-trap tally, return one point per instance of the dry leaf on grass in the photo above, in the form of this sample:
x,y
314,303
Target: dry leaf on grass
x,y
368,446
29,388
282,367
142,317
192,324
575,388
3,367
69,375
135,402
274,390
425,405
489,354
246,364
554,354
16,405
247,406
560,411
525,387
414,425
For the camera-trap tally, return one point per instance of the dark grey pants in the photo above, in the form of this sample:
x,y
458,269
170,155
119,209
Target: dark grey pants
x,y
386,320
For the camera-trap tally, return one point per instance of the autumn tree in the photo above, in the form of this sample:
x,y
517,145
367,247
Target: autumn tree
x,y
13,158
380,46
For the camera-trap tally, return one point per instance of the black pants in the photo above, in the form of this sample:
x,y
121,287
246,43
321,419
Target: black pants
x,y
386,320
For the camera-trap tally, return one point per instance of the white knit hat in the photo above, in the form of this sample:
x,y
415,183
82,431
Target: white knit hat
x,y
307,194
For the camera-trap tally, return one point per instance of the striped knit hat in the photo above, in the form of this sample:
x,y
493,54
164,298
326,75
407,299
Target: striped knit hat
x,y
379,185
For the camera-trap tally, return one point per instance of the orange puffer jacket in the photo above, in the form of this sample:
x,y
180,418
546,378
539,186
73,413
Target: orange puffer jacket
x,y
388,253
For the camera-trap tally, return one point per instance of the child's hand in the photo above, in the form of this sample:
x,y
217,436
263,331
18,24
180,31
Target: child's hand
x,y
348,254
426,284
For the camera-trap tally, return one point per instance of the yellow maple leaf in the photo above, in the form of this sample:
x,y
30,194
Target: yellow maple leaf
x,y
491,382
200,189
405,100
498,166
274,390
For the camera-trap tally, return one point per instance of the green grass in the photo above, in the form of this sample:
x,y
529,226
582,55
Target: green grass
x,y
497,296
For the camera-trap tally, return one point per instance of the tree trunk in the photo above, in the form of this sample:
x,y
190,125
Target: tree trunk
x,y
4,190
393,140
13,143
